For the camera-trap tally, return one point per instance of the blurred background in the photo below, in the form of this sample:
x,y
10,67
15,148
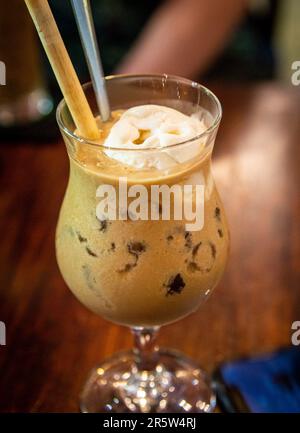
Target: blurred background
x,y
229,40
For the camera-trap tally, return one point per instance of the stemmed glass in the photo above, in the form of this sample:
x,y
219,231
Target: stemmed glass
x,y
144,273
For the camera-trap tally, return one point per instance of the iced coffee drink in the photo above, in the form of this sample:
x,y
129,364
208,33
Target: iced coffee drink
x,y
142,272
142,237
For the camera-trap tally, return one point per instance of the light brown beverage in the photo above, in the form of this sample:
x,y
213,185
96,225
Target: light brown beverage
x,y
138,273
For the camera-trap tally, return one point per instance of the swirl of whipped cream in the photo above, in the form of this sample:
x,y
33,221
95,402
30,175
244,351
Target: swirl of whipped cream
x,y
154,127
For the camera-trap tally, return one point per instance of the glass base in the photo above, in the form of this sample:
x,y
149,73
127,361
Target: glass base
x,y
174,385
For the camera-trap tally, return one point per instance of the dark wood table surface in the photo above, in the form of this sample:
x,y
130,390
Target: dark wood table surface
x,y
53,341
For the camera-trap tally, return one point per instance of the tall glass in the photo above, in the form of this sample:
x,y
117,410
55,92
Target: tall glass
x,y
144,272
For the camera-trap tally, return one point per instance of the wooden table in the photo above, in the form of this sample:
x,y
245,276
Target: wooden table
x,y
53,341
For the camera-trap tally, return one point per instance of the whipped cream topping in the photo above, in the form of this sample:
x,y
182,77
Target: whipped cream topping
x,y
155,127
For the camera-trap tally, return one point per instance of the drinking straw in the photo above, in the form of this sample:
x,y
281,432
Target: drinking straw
x,y
84,19
63,69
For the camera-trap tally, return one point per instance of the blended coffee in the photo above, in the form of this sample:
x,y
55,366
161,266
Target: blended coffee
x,y
133,271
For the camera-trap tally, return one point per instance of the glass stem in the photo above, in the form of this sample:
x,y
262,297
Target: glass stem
x,y
145,349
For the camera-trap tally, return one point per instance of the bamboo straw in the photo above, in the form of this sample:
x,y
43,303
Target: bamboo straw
x,y
63,69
